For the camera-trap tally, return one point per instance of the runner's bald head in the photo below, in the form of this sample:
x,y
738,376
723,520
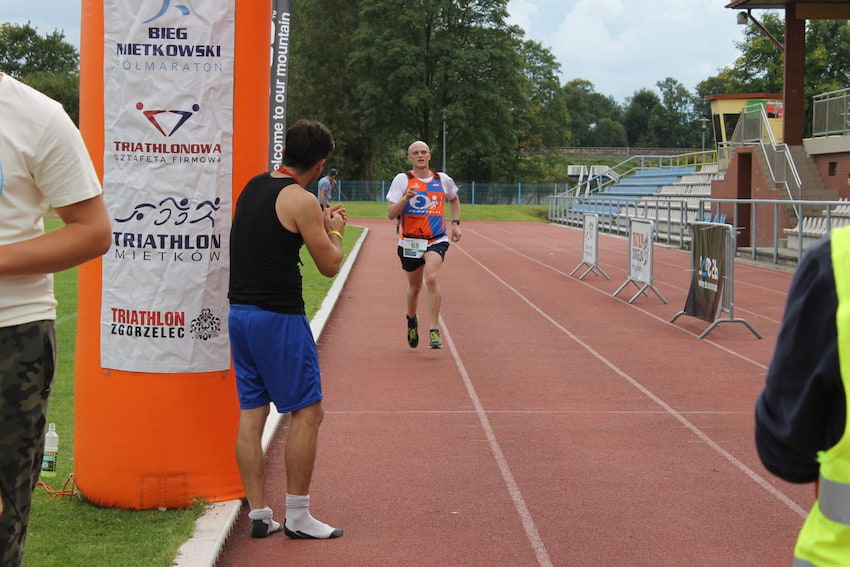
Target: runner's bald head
x,y
417,145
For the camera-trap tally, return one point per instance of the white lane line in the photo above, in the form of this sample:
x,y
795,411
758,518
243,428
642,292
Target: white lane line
x,y
645,391
533,412
606,294
519,502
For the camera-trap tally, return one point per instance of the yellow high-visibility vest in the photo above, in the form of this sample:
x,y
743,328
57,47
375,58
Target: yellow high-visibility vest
x,y
824,540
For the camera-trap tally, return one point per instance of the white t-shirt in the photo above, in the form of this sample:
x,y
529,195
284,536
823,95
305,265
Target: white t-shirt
x,y
43,163
399,184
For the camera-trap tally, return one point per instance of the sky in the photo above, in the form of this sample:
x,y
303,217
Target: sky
x,y
621,46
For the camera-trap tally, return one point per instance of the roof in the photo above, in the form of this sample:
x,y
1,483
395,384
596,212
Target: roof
x,y
804,9
746,96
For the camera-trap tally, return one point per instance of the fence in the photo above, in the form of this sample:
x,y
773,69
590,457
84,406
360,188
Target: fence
x,y
830,114
473,193
765,229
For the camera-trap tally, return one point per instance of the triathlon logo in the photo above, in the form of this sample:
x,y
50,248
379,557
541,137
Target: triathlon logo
x,y
151,115
166,4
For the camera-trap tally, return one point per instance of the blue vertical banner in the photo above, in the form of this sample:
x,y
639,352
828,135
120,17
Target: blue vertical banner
x,y
281,17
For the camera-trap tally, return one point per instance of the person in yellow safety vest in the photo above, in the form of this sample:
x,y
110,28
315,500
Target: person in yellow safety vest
x,y
801,415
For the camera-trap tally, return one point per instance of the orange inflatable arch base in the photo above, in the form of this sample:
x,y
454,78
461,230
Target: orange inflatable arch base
x,y
147,441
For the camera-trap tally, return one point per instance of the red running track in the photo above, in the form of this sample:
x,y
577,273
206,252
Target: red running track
x,y
560,425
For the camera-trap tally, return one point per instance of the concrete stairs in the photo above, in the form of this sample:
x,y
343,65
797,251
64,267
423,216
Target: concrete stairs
x,y
813,188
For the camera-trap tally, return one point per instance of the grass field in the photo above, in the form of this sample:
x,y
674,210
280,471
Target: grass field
x,y
69,533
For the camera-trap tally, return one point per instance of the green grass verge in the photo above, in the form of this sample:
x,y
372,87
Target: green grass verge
x,y
66,533
536,213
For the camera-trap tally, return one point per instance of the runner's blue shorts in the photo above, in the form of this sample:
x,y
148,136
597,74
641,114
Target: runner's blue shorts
x,y
275,359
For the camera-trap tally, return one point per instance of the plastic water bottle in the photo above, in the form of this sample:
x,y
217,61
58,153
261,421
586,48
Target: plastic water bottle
x,y
51,450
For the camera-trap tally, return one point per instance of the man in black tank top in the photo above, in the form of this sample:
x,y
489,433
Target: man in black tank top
x,y
274,355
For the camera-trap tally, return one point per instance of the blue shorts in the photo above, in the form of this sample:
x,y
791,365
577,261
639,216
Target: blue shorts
x,y
275,359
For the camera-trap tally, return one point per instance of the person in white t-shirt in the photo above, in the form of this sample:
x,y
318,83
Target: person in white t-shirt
x,y
418,198
43,163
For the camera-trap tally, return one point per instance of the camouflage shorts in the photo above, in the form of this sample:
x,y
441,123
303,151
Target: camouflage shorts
x,y
27,364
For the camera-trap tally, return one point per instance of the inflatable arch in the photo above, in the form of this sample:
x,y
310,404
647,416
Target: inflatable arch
x,y
161,439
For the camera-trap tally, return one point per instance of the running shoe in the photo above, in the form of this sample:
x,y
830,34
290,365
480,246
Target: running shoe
x,y
413,331
435,339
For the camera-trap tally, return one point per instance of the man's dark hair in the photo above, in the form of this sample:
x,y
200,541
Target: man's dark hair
x,y
307,142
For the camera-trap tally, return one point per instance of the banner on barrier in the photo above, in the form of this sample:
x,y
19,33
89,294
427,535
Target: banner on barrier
x,y
168,109
589,252
640,251
591,237
709,270
281,17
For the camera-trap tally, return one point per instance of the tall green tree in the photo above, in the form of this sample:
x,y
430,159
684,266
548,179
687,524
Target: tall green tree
x,y
382,73
47,63
420,61
675,123
760,68
545,120
593,116
322,85
642,108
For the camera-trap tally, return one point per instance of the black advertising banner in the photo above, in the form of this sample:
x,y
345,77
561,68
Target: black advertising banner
x,y
709,270
281,17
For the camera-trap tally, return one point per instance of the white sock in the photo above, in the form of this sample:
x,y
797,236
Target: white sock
x,y
300,524
264,515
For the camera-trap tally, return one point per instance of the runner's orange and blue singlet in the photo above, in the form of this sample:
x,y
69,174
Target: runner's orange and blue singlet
x,y
423,215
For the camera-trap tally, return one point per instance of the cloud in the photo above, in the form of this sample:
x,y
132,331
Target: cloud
x,y
51,15
622,46
523,13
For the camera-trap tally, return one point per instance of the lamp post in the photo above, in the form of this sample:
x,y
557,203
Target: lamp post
x,y
703,120
444,139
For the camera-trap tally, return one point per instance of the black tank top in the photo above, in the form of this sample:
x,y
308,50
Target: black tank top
x,y
265,266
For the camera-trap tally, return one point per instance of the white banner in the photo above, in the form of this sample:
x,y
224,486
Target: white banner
x,y
640,251
589,251
168,109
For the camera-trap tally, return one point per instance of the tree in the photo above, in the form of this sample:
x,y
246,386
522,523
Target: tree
x,y
416,61
760,68
382,73
322,85
640,110
546,117
592,116
677,123
47,63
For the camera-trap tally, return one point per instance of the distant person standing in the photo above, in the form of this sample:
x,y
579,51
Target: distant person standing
x,y
274,354
418,198
327,187
43,163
